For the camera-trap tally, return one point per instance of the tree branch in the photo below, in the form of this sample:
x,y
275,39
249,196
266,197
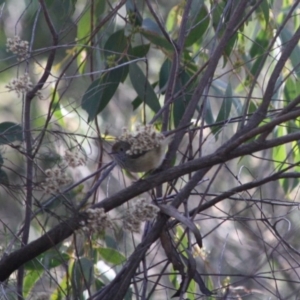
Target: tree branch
x,y
13,261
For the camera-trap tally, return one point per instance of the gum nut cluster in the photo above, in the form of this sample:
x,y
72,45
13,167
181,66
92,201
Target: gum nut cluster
x,y
20,85
18,47
144,138
74,159
56,178
97,220
140,212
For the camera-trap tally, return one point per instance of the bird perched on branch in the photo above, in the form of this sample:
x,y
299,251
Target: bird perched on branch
x,y
142,150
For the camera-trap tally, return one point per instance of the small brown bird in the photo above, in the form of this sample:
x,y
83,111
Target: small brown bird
x,y
143,150
141,161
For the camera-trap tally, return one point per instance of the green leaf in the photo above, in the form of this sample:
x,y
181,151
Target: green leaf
x,y
100,8
220,16
134,15
139,51
209,117
264,7
56,108
198,25
237,103
100,92
210,286
48,260
279,155
191,290
291,183
217,14
181,102
143,87
188,62
224,111
151,31
285,36
111,255
174,280
35,264
53,258
116,44
63,288
182,237
10,132
138,101
30,280
164,74
173,16
82,275
230,45
69,6
110,241
66,8
256,66
93,99
278,90
252,107
3,177
99,284
291,89
258,49
129,294
83,34
296,155
172,212
116,48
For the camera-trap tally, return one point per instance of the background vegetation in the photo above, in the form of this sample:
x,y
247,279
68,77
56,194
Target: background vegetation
x,y
74,72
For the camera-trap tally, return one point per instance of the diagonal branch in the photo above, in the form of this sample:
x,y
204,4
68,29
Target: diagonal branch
x,y
13,261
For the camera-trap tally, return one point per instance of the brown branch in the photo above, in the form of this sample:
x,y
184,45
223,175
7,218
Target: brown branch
x,y
212,65
242,188
263,60
74,57
51,56
262,129
261,112
28,142
118,287
13,261
10,263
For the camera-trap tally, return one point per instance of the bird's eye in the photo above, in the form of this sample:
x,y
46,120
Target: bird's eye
x,y
121,149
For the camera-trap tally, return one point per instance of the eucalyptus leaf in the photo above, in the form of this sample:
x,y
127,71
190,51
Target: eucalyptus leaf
x,y
143,87
111,255
10,132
